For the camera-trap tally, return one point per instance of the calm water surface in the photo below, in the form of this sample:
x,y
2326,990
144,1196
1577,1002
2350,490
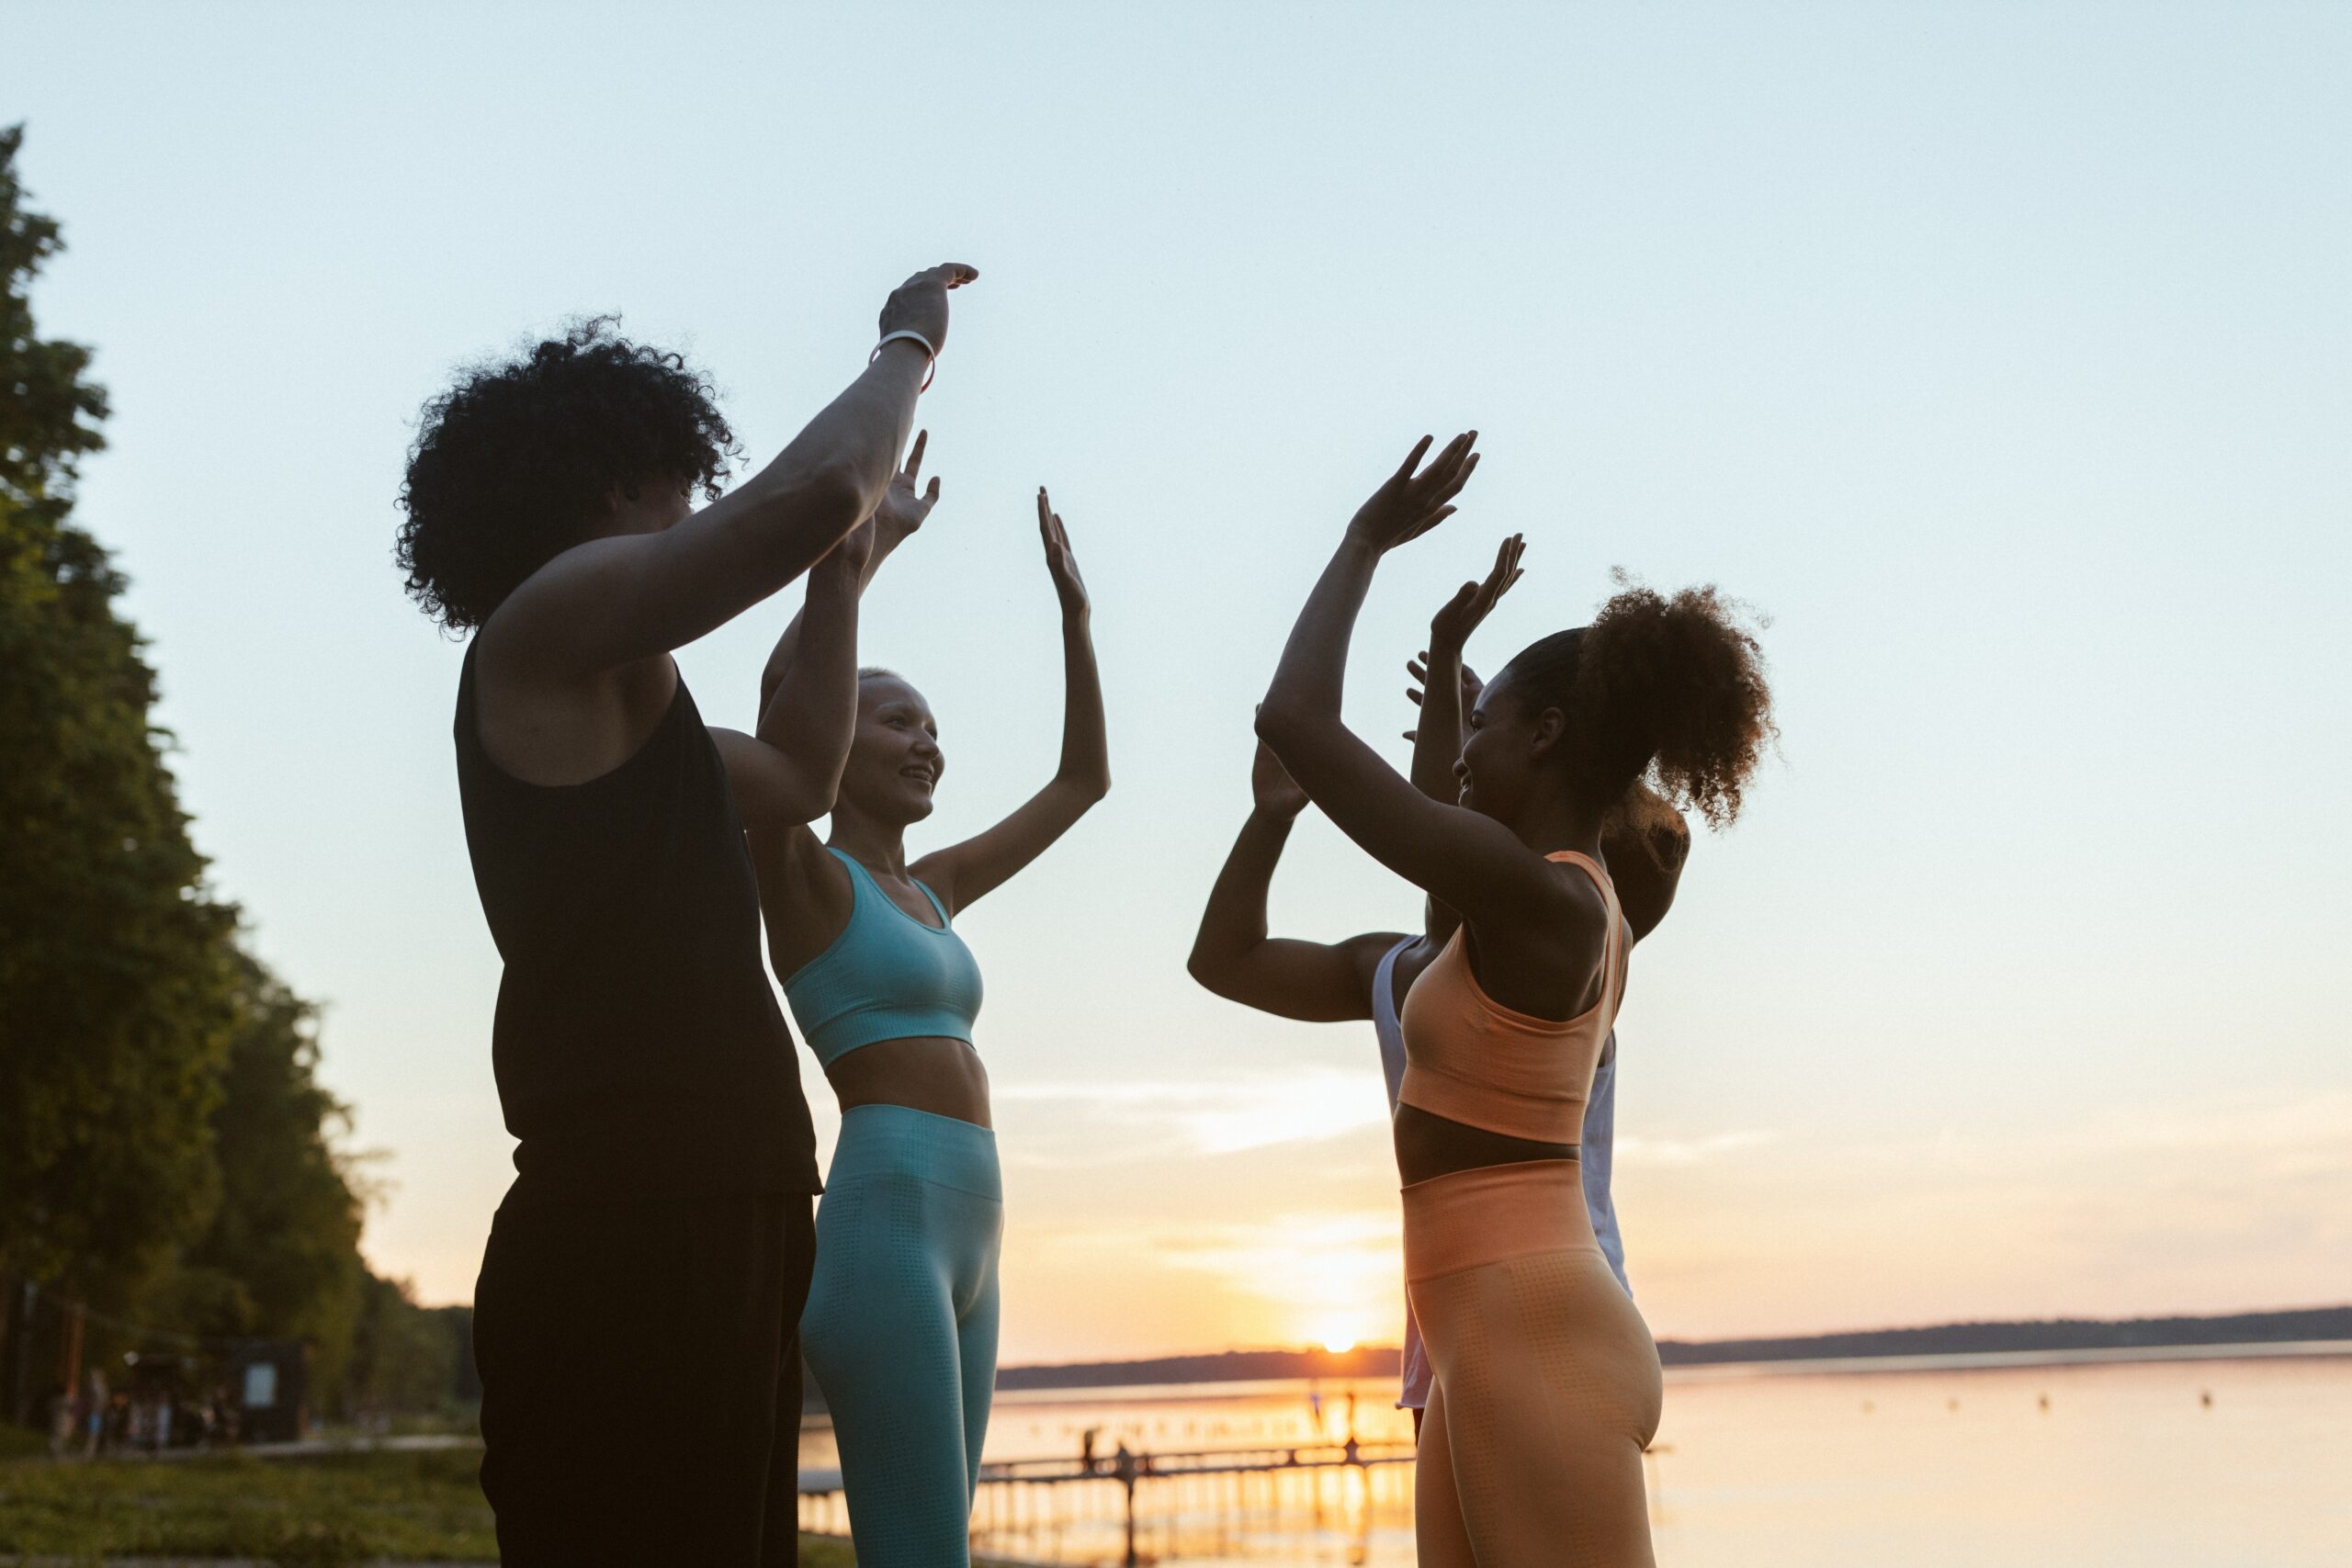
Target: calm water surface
x,y
2239,1459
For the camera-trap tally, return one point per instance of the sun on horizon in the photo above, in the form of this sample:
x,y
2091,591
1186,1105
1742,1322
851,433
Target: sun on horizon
x,y
1338,1334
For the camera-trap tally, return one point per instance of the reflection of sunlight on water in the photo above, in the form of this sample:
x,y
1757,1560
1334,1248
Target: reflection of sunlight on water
x,y
2092,1466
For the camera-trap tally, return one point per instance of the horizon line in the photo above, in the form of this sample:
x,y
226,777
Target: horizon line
x,y
1369,1347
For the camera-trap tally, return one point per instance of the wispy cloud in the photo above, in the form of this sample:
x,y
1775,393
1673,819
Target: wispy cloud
x,y
1635,1150
1217,1116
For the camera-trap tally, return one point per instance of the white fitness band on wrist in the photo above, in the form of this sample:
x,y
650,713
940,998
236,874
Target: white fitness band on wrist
x,y
930,353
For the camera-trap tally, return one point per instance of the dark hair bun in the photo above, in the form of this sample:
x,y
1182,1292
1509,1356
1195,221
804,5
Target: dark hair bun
x,y
1671,691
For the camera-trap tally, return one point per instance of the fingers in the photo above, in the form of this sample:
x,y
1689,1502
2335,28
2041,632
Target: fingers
x,y
1449,465
947,274
1050,529
1413,458
914,458
1505,554
1414,694
1461,476
1506,572
1441,514
931,492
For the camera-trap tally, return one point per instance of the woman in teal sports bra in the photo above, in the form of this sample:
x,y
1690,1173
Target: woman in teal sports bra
x,y
900,1328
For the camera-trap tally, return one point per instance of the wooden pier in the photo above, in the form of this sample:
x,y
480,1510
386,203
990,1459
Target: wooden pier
x,y
1006,1485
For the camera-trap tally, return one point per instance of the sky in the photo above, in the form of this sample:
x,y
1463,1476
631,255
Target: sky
x,y
1996,353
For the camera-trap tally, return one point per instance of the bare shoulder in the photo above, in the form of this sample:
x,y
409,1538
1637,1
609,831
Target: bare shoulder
x,y
555,731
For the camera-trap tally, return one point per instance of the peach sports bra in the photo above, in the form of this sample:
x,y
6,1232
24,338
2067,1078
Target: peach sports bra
x,y
1470,1059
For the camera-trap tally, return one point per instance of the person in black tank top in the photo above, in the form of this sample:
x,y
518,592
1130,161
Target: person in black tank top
x,y
637,1045
635,1321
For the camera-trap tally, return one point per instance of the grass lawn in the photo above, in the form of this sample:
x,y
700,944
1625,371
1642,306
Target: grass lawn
x,y
328,1512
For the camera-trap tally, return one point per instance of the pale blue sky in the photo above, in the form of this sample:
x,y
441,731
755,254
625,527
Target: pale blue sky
x,y
1998,353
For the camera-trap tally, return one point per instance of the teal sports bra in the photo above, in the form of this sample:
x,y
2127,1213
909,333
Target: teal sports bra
x,y
887,976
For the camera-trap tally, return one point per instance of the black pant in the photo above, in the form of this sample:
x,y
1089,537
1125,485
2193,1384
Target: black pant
x,y
640,1375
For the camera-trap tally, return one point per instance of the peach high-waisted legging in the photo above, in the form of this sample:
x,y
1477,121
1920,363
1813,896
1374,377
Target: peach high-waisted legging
x,y
1547,1381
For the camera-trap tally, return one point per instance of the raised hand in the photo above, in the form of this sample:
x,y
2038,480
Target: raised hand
x,y
1068,585
1418,670
1451,627
1409,504
1272,789
920,304
903,507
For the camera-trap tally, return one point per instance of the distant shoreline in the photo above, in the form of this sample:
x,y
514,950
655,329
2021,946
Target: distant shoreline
x,y
2319,1330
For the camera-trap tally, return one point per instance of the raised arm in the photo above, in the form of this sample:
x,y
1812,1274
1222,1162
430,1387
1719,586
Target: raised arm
x,y
961,874
901,511
1437,739
614,600
1448,688
1467,861
786,774
1313,981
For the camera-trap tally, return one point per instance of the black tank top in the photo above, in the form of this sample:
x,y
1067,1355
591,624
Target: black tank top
x,y
638,1044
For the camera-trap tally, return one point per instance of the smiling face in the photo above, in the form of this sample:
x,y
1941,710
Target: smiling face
x,y
894,757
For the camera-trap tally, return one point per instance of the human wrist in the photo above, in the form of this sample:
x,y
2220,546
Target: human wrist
x,y
907,346
833,574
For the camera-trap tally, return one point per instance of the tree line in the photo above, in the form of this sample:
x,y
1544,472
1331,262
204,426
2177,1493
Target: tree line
x,y
173,1175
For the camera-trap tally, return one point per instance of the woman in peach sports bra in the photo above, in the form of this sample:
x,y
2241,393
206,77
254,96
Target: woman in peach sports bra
x,y
1547,1385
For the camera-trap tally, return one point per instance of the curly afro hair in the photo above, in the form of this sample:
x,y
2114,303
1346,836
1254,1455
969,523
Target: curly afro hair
x,y
1661,692
511,463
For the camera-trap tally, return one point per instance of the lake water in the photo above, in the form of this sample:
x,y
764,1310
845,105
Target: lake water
x,y
2228,1460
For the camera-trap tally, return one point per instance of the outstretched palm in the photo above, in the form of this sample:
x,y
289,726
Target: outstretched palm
x,y
1411,503
903,507
1068,585
1460,616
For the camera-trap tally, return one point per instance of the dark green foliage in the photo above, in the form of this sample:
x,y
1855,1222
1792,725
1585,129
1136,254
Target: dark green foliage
x,y
407,1357
115,999
168,1154
281,1255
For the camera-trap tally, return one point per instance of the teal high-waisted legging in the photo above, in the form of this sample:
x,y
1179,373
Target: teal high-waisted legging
x,y
900,1328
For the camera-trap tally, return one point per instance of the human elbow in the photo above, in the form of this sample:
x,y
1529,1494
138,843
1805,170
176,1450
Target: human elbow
x,y
806,796
1210,970
1281,724
826,495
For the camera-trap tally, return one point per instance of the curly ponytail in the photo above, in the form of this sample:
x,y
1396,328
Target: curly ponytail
x,y
1668,692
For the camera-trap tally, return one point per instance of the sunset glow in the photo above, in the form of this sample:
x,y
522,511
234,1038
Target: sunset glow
x,y
1988,1005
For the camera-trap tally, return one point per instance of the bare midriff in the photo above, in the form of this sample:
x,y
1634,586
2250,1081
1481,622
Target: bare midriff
x,y
1429,1146
927,1071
